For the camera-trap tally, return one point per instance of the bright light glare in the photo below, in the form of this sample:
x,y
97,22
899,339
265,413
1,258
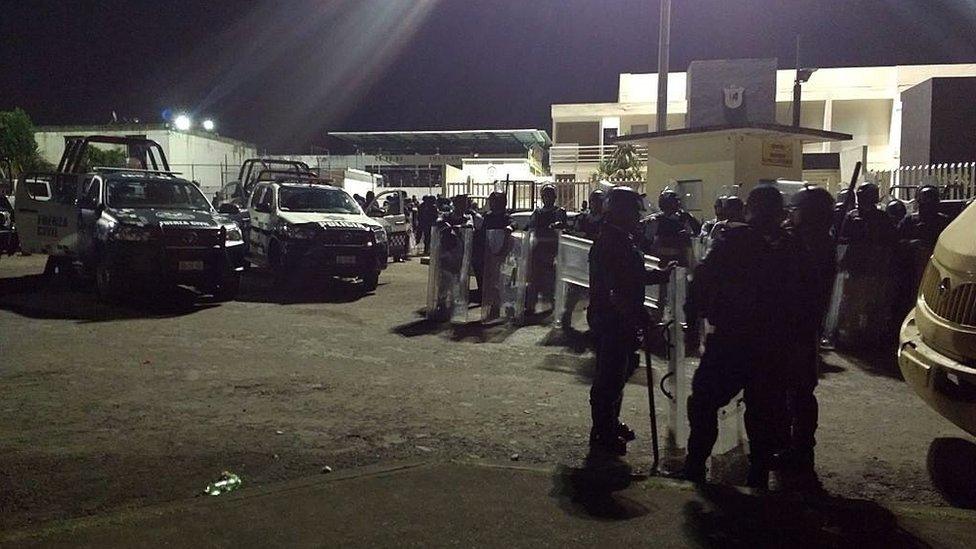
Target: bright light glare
x,y
208,125
182,122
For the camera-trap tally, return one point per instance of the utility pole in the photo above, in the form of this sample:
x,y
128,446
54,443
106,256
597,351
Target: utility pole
x,y
663,59
796,87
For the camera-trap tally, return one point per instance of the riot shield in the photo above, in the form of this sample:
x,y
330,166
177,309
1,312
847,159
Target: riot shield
x,y
572,277
512,279
541,289
448,276
678,378
498,243
862,301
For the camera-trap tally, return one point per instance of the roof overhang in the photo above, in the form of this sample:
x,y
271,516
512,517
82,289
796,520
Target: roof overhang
x,y
809,135
446,142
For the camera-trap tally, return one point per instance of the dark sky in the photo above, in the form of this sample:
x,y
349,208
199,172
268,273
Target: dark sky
x,y
282,73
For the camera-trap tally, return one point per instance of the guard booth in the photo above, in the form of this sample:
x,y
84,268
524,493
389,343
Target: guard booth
x,y
701,164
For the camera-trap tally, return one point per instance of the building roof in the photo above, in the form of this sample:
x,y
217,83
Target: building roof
x,y
757,128
446,142
101,129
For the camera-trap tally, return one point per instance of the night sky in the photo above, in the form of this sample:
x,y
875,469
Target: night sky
x,y
281,74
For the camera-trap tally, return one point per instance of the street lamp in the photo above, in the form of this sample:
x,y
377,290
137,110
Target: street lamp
x,y
208,125
182,122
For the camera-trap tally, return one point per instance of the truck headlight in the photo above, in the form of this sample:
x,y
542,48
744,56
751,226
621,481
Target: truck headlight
x,y
131,233
379,234
233,235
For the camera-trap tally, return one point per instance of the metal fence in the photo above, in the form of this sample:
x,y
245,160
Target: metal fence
x,y
957,181
525,195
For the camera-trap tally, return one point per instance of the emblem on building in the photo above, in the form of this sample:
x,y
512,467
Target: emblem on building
x,y
734,96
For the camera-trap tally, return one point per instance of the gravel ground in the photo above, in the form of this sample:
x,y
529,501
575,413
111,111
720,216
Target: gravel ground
x,y
111,406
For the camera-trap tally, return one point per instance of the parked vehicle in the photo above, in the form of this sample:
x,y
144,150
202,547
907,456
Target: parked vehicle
x,y
937,351
128,225
9,243
253,170
388,207
303,224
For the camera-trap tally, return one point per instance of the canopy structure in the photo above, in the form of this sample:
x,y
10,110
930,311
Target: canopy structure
x,y
458,142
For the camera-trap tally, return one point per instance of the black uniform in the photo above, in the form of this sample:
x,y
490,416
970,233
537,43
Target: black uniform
x,y
587,225
545,222
616,315
867,302
426,217
745,286
818,268
668,237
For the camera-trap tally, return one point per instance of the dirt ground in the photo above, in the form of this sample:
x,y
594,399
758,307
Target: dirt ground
x,y
113,406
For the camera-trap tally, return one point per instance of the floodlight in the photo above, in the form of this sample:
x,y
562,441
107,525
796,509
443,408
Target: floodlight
x,y
209,125
182,122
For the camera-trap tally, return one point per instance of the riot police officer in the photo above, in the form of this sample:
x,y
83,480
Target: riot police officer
x,y
587,223
707,226
927,223
745,286
544,222
667,234
811,217
616,315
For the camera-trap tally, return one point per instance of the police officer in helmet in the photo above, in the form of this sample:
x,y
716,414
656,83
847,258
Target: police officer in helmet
x,y
667,234
745,286
811,218
616,315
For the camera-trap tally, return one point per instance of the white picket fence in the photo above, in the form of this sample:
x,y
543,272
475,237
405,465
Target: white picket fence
x,y
957,181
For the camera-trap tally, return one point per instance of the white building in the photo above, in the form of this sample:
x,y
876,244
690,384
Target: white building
x,y
862,101
208,158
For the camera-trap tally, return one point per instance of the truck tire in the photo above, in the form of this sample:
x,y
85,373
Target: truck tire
x,y
106,281
371,281
229,287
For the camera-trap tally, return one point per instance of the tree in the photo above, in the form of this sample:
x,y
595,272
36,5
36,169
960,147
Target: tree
x,y
105,158
17,144
624,163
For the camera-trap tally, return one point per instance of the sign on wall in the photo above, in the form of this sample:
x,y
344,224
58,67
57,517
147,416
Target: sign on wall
x,y
777,153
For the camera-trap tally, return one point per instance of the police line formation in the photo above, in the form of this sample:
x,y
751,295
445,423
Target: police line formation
x,y
770,282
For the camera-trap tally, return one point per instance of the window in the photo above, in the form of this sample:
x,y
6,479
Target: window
x,y
266,198
92,192
316,199
639,128
257,194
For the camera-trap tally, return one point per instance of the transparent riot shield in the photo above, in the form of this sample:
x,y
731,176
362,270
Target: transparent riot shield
x,y
862,301
680,370
572,277
541,290
498,243
448,276
513,278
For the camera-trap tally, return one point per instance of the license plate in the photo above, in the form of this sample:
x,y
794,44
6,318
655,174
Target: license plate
x,y
346,259
191,265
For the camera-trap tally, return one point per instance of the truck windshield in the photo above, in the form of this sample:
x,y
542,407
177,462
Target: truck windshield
x,y
316,199
175,194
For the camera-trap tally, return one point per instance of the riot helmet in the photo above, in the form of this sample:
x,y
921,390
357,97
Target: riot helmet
x,y
548,194
896,210
597,201
734,208
867,195
623,207
669,201
764,207
812,206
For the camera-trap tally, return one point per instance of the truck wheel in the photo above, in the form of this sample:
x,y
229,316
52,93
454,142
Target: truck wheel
x,y
229,287
371,281
106,280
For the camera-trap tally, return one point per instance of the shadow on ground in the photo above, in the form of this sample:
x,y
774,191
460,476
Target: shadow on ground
x,y
725,516
36,296
591,492
260,287
879,362
950,465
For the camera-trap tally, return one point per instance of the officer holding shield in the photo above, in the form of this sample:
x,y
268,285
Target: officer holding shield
x,y
616,315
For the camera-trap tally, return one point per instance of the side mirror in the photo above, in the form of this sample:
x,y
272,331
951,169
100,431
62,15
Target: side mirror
x,y
229,208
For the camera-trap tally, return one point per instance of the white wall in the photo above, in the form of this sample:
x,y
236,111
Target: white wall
x,y
199,157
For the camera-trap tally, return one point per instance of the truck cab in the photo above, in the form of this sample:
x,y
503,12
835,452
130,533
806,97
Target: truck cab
x,y
937,350
298,224
140,224
389,208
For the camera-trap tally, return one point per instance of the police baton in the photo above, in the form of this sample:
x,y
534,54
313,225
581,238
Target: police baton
x,y
650,400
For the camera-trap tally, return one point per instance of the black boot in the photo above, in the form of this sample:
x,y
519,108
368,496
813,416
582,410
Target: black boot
x,y
608,444
625,432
